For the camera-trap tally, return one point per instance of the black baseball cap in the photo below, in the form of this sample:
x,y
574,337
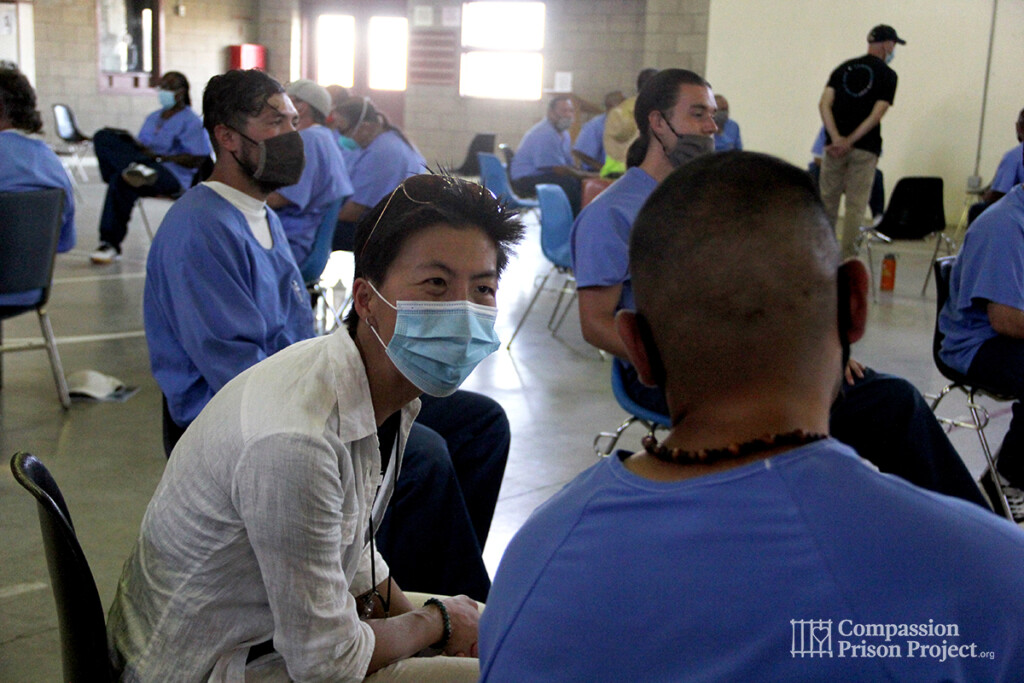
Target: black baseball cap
x,y
884,32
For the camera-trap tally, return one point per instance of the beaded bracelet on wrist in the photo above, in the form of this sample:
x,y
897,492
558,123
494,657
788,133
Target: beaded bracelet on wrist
x,y
443,643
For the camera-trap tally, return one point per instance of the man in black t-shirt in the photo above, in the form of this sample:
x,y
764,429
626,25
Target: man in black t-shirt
x,y
858,93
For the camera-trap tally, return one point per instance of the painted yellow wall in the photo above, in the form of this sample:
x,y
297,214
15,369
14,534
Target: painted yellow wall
x,y
772,59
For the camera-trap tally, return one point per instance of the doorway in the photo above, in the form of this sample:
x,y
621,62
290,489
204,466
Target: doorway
x,y
362,45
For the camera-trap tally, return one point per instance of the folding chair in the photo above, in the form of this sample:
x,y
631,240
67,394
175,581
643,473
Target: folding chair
x,y
30,225
555,227
979,414
604,442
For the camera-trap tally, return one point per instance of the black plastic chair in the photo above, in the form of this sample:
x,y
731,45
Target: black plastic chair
x,y
979,414
482,142
915,212
75,140
83,634
30,225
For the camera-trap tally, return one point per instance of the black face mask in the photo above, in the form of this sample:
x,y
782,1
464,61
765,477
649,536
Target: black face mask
x,y
688,147
280,161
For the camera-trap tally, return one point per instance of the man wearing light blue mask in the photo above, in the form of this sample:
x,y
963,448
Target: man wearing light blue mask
x,y
270,508
163,161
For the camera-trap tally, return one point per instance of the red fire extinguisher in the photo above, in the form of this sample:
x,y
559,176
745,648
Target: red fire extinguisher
x,y
888,273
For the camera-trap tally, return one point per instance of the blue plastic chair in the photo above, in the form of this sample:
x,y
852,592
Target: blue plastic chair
x,y
604,442
313,267
316,260
494,176
555,226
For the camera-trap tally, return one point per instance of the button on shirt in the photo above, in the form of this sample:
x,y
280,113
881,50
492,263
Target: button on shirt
x,y
541,148
258,528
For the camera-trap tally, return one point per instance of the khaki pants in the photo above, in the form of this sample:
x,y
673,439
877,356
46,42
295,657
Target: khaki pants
x,y
850,175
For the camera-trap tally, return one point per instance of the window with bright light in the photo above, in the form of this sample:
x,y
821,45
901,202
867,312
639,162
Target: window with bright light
x,y
335,50
501,44
388,41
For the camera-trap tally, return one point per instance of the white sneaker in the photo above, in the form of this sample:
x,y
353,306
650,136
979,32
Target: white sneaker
x,y
1014,496
105,254
138,175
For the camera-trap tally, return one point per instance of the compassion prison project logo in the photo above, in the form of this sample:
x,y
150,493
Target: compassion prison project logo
x,y
815,638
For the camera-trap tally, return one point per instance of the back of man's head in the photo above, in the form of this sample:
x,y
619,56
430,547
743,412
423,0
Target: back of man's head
x,y
643,77
231,98
733,264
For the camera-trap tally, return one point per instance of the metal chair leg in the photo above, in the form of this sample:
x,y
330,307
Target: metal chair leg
x,y
565,311
1001,504
566,286
145,218
950,246
55,364
536,293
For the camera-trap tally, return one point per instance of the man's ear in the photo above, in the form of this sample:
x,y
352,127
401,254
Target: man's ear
x,y
853,287
628,327
227,139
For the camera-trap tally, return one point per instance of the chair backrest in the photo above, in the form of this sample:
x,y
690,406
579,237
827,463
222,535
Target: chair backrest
x,y
80,617
67,126
507,152
915,209
631,406
316,260
493,175
943,269
30,225
555,224
482,142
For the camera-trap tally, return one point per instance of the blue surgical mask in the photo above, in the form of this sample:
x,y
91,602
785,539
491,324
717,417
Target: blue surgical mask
x,y
436,344
166,98
891,56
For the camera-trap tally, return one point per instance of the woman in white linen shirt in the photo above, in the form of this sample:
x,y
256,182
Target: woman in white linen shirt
x,y
255,554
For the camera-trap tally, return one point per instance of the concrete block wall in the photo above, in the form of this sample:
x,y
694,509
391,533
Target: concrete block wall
x,y
275,32
676,34
66,57
599,41
602,42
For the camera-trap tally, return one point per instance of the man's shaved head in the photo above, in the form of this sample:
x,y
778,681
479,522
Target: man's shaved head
x,y
734,269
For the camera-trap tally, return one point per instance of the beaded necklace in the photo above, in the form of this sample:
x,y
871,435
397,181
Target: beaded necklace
x,y
706,456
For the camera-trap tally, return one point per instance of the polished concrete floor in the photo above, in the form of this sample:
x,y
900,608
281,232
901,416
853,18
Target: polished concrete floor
x,y
107,457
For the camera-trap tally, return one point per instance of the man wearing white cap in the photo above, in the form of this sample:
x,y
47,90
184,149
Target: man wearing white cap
x,y
301,206
858,93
